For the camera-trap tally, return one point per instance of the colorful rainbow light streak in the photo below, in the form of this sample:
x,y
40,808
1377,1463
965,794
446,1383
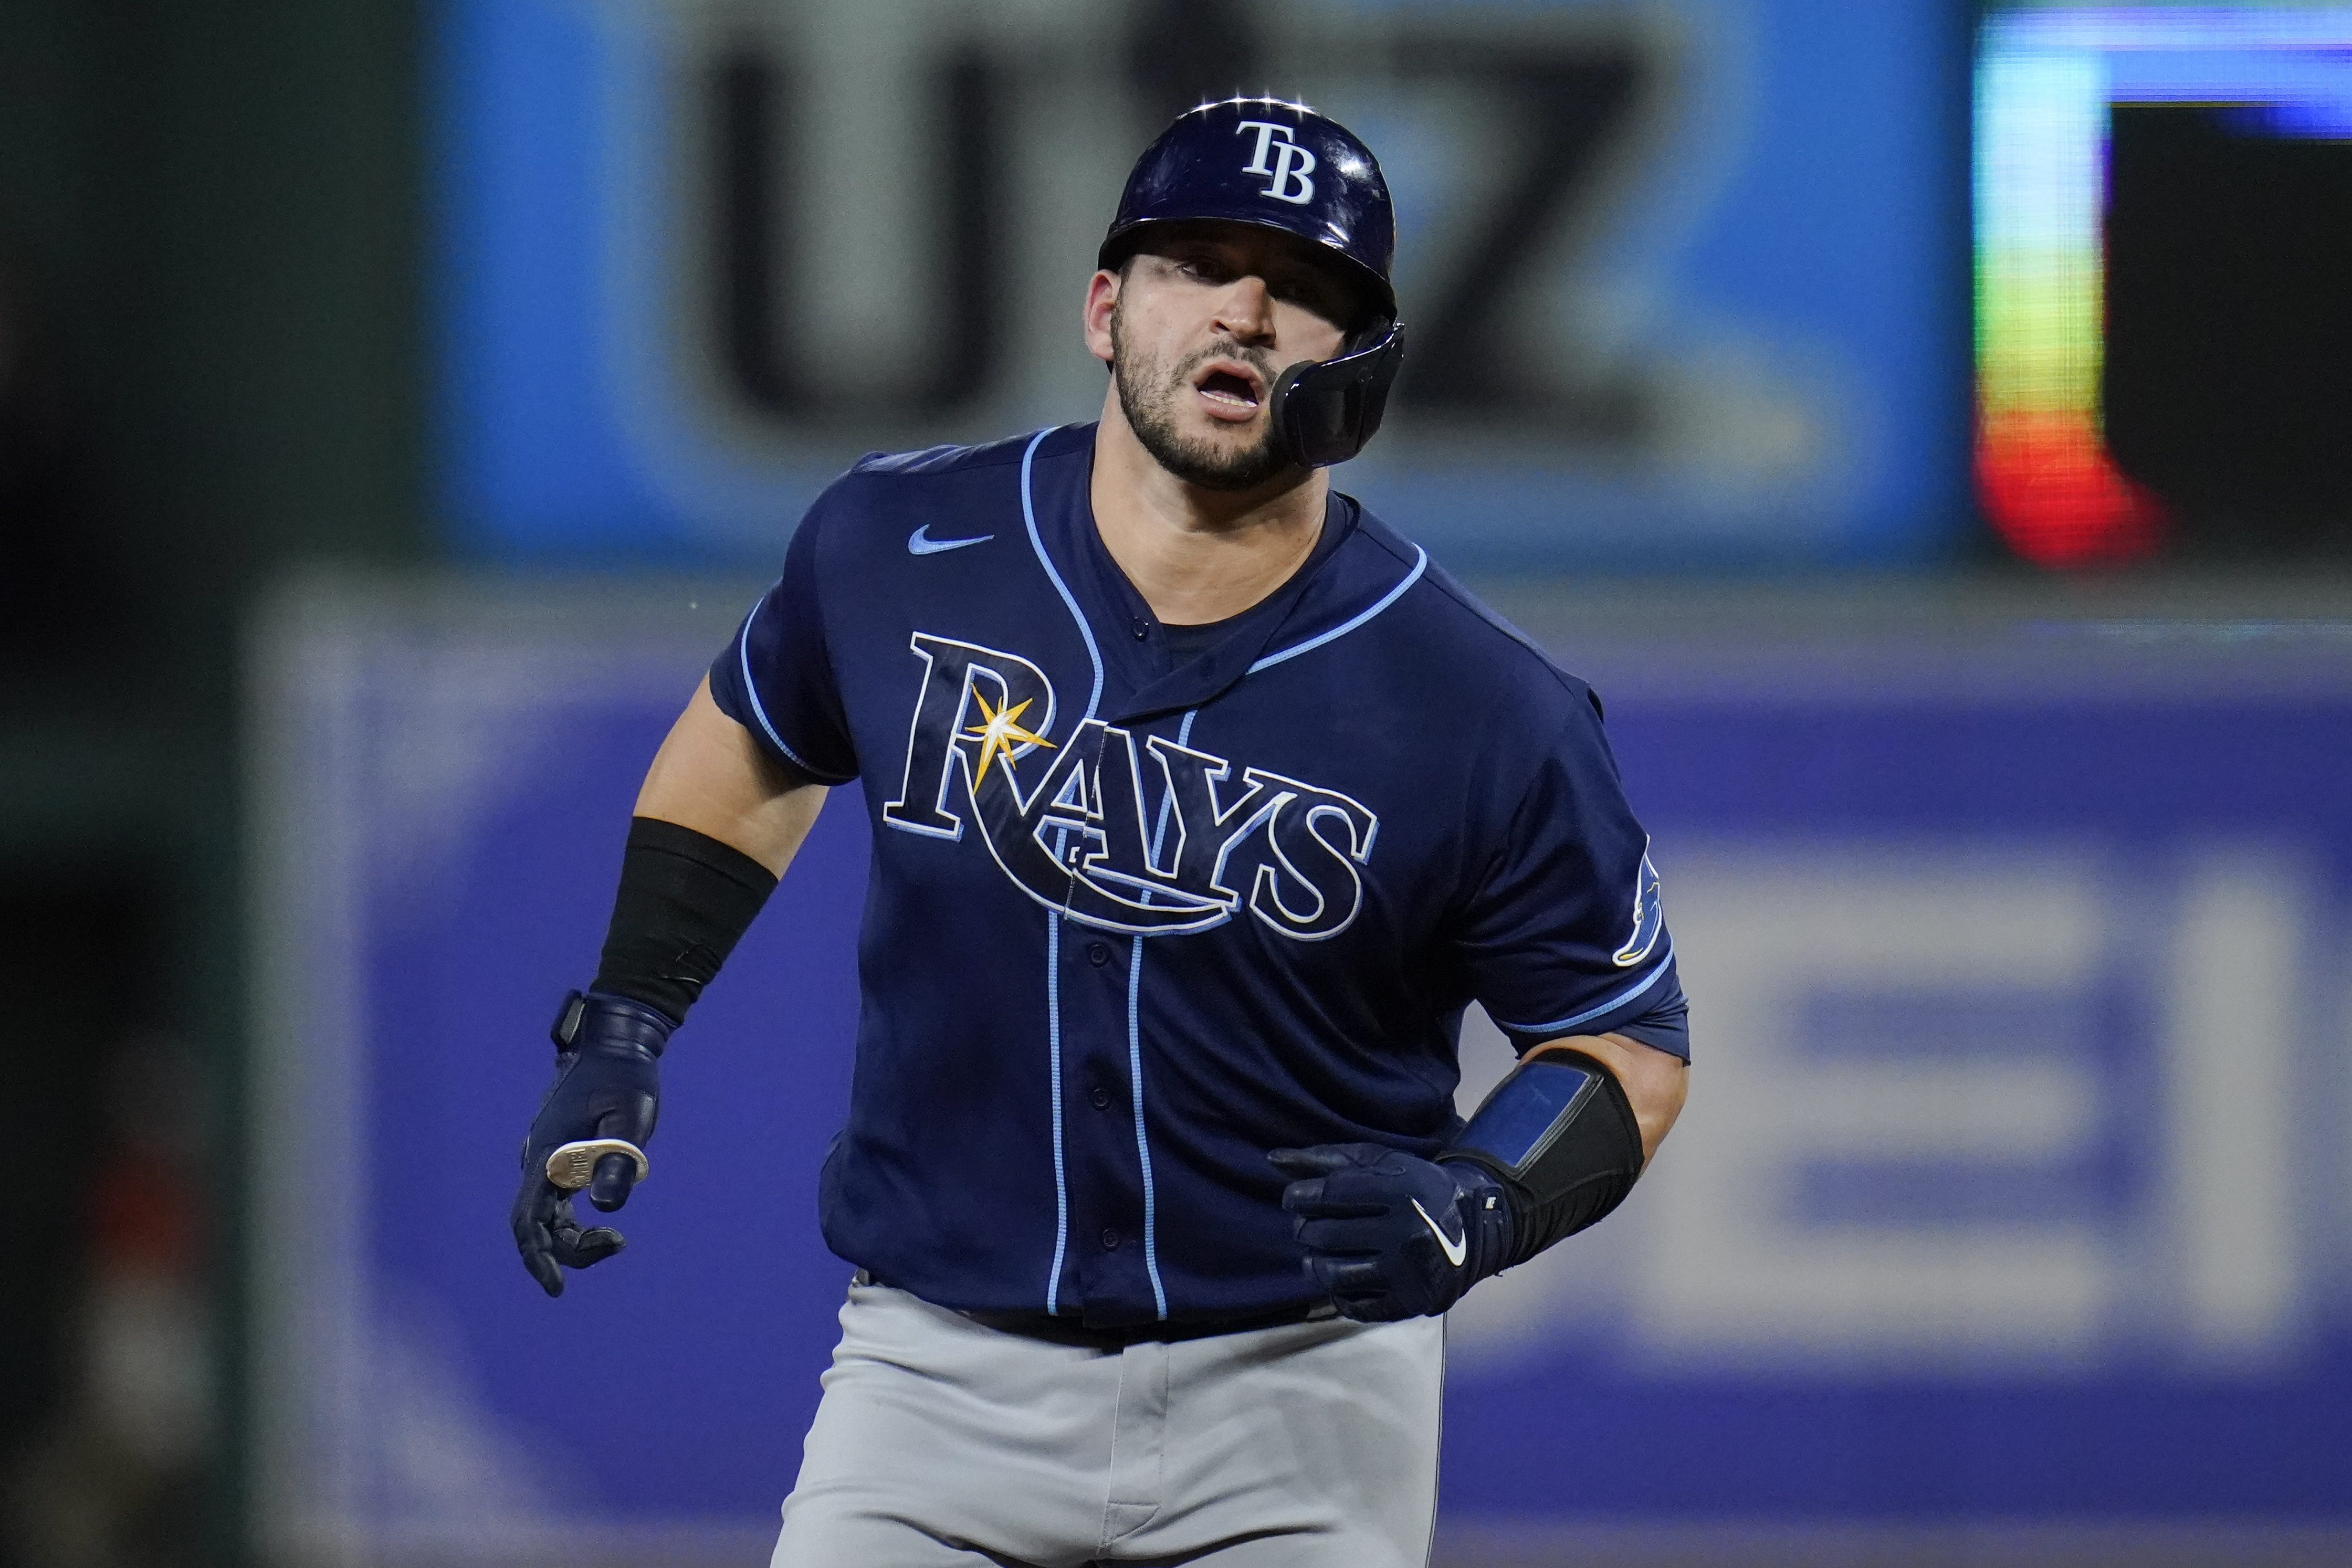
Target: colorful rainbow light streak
x,y
2045,79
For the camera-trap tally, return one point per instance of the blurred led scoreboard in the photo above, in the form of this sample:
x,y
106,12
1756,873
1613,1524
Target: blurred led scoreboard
x,y
1686,280
2047,79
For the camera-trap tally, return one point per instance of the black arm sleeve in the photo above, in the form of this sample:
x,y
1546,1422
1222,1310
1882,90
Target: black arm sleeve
x,y
1560,1137
685,901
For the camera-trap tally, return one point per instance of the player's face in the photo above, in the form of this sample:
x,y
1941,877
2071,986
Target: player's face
x,y
1202,324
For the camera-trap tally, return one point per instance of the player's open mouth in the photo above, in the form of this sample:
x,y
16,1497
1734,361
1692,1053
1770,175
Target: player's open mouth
x,y
1229,393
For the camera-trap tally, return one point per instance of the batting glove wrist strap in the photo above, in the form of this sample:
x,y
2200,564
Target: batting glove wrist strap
x,y
1389,1235
607,1085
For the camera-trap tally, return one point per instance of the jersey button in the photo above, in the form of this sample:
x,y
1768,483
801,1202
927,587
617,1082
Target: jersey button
x,y
1102,1097
1142,628
1111,1241
1098,953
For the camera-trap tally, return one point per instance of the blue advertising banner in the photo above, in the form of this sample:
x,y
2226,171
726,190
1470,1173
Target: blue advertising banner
x,y
2012,1187
1685,279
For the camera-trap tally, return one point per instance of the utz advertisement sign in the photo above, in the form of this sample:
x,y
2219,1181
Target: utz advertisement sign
x,y
1680,277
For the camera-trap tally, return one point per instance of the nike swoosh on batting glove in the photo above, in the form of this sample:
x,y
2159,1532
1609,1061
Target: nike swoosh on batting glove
x,y
1389,1235
607,1085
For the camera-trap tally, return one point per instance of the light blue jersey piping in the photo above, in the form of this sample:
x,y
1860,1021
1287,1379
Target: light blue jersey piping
x,y
1054,1041
1054,931
751,689
1167,800
1135,1054
1419,565
1142,1144
1612,1005
1029,515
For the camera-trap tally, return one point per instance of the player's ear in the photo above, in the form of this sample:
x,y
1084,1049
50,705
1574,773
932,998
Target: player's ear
x,y
1102,302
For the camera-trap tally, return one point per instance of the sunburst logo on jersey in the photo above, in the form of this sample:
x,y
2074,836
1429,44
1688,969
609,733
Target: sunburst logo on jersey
x,y
1001,733
1649,915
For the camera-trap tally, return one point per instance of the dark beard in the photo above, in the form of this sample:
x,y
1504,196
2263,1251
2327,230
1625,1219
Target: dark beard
x,y
1196,463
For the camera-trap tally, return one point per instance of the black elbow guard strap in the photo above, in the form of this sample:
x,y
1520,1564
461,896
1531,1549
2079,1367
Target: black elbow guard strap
x,y
685,901
1560,1136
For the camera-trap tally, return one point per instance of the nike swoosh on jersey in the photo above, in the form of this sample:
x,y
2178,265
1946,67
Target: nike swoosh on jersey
x,y
920,542
1455,1251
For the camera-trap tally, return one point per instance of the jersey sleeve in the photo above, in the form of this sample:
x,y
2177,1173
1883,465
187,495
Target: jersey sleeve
x,y
1564,933
776,677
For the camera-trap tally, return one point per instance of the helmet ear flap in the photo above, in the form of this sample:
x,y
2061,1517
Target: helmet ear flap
x,y
1326,410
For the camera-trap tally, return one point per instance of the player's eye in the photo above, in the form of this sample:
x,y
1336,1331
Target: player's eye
x,y
1309,294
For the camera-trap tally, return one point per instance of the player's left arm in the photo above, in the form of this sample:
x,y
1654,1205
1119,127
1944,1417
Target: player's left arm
x,y
1556,1146
1390,1234
1655,1081
716,821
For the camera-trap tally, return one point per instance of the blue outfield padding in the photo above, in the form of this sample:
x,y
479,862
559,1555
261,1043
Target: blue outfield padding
x,y
2012,1185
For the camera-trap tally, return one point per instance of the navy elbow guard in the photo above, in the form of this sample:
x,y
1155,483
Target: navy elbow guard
x,y
1559,1137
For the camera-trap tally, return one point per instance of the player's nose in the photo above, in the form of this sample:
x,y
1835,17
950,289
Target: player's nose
x,y
1246,311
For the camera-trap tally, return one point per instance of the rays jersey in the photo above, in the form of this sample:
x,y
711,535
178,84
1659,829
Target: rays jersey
x,y
1137,916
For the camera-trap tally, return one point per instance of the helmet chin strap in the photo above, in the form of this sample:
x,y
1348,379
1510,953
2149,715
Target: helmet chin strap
x,y
1324,410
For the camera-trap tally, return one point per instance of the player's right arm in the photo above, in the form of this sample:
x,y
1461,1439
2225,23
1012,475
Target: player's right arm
x,y
727,802
716,821
712,778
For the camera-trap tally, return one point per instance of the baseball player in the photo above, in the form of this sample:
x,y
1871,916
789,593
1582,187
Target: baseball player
x,y
1202,803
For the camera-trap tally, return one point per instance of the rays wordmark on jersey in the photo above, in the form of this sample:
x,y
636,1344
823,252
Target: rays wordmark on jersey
x,y
1073,824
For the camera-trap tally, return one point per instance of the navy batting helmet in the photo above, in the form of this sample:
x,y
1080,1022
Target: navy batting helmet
x,y
1279,165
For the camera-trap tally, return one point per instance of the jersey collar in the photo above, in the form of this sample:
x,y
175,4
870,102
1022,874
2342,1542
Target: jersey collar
x,y
1358,569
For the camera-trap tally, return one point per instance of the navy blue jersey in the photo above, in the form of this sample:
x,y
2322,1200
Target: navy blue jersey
x,y
1131,921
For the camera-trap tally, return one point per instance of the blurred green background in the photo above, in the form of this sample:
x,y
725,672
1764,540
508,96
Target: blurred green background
x,y
210,369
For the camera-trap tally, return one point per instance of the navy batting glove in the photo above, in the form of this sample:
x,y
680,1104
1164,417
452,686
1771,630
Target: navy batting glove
x,y
607,1085
1389,1235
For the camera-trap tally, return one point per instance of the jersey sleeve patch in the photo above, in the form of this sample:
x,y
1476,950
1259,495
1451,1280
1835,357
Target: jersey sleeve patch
x,y
1566,933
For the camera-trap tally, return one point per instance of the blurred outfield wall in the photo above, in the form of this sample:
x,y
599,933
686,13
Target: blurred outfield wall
x,y
2011,1221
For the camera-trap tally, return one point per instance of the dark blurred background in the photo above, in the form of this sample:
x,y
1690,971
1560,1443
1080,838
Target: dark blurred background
x,y
269,307
211,366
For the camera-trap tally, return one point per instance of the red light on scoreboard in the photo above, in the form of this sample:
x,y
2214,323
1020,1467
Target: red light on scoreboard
x,y
2047,82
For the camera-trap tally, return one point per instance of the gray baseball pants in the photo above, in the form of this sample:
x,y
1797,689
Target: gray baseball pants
x,y
941,1443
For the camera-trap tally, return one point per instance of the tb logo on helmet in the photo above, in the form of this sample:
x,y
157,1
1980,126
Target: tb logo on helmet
x,y
1291,162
